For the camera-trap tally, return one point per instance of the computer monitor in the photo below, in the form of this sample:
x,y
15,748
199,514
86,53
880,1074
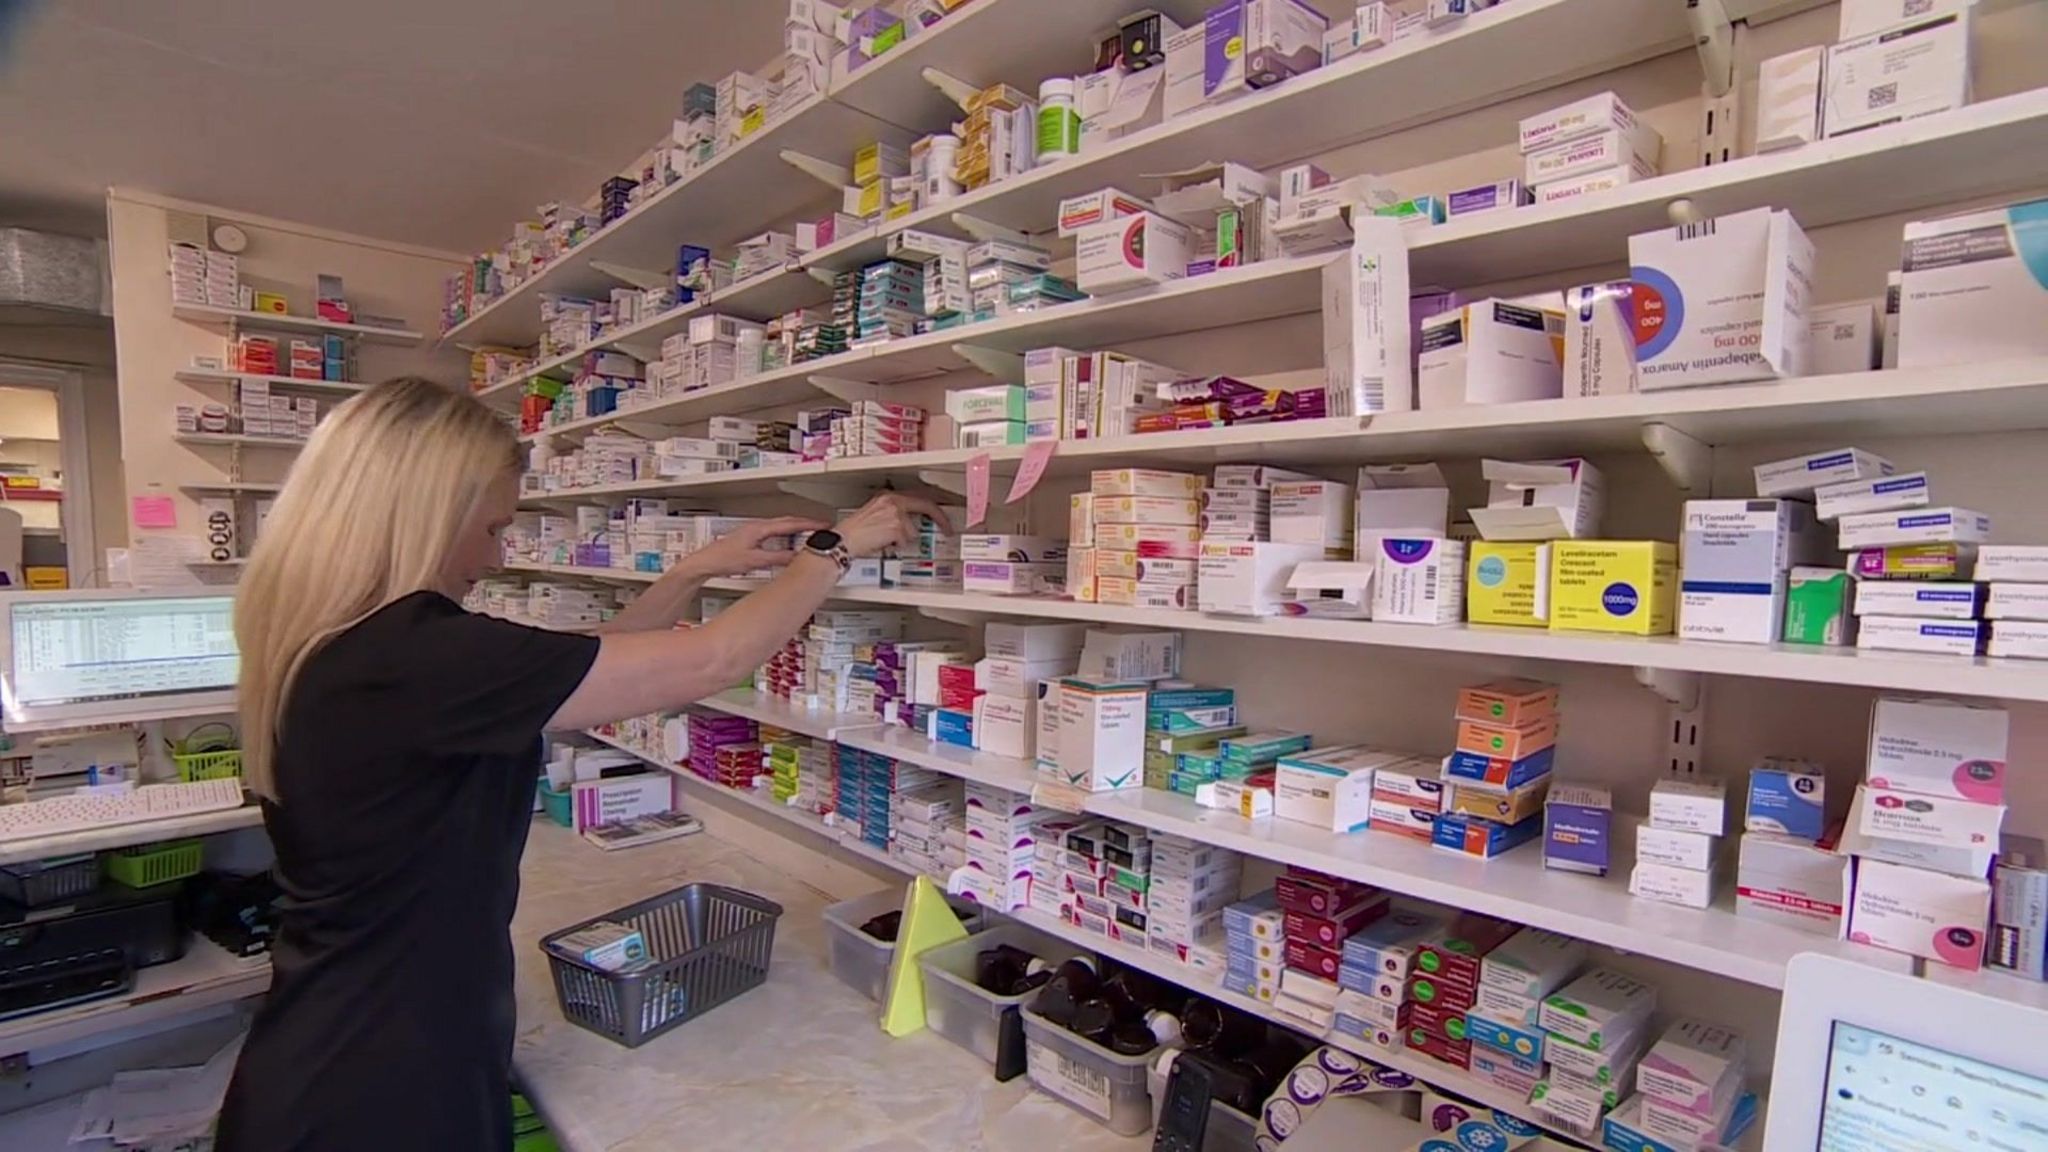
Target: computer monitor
x,y
1870,1060
96,657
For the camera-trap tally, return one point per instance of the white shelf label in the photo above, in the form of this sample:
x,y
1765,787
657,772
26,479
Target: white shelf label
x,y
1068,1079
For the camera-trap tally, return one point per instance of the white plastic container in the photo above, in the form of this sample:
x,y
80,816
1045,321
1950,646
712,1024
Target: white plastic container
x,y
961,1010
1059,121
1098,1083
939,182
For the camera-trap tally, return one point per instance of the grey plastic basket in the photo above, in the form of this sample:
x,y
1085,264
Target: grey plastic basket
x,y
709,943
34,883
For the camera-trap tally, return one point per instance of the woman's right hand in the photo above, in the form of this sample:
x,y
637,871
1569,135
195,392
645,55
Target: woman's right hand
x,y
884,522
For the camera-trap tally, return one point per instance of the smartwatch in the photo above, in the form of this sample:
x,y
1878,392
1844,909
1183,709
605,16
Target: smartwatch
x,y
826,543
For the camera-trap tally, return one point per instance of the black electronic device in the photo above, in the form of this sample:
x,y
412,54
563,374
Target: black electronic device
x,y
85,949
1184,1117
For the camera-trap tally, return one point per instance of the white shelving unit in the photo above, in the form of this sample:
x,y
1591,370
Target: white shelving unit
x,y
238,440
277,383
1442,1075
127,835
236,487
278,321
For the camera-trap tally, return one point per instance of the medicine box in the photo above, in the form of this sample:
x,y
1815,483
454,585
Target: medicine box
x,y
1791,881
1419,581
1367,335
1914,562
1540,499
1936,821
1388,946
1098,207
1721,301
2018,562
2008,601
1801,475
1102,734
1788,797
1875,494
1939,747
1736,554
1600,339
1490,352
1580,118
1788,91
2021,639
1133,252
1578,831
1932,599
1971,289
1637,149
1508,582
1145,482
1915,526
1690,804
1498,774
1917,634
1851,841
1626,586
1533,962
1403,818
1485,839
1311,512
1928,914
1486,198
1842,338
1507,702
2019,908
1695,850
1598,1009
1328,787
1131,656
1902,73
1695,1067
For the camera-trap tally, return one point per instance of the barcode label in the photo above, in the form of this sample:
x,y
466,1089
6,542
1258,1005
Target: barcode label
x,y
1696,229
1429,584
1070,1080
1884,95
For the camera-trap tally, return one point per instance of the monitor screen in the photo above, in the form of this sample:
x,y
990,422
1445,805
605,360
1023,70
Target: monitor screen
x,y
74,651
1885,1094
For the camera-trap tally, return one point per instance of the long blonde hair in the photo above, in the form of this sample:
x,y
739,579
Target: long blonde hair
x,y
367,516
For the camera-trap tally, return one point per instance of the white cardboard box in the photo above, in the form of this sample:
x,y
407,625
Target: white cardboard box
x,y
2025,562
1540,500
1490,352
1330,788
1637,149
1926,599
1102,734
1877,494
1939,747
2009,601
1136,251
2023,639
1419,581
1968,292
1913,634
1928,914
1600,339
1913,526
1788,90
1802,474
1249,579
1936,821
1312,512
1722,301
1734,558
1903,73
1790,881
1842,338
1857,18
1366,332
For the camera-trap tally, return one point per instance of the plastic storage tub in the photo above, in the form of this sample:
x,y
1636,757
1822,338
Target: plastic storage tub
x,y
860,961
1229,1130
959,1009
34,883
152,864
708,943
1092,1080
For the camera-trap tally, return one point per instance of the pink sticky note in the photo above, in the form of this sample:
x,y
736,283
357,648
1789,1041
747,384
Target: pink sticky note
x,y
977,489
154,512
1037,455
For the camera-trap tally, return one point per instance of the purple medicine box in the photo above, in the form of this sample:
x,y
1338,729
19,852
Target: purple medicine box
x,y
1578,831
1487,198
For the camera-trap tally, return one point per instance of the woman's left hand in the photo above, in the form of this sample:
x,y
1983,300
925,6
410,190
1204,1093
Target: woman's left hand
x,y
741,550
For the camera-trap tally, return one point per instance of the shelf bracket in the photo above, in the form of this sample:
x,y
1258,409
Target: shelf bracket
x,y
1688,462
1685,698
825,493
637,277
985,231
823,171
1005,366
951,87
954,616
644,430
1714,37
951,482
846,391
824,276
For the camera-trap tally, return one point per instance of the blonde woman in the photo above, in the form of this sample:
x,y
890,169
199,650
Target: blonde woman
x,y
394,740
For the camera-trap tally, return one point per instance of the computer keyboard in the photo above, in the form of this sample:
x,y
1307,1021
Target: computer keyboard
x,y
87,811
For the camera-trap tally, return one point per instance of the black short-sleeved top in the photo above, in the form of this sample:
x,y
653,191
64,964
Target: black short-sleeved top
x,y
406,768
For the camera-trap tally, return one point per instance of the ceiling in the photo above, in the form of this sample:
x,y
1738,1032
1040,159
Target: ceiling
x,y
432,122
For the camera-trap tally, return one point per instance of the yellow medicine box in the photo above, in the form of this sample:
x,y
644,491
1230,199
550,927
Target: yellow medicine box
x,y
1613,586
1507,583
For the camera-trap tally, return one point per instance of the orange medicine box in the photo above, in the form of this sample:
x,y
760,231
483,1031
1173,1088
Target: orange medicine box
x,y
1507,702
1507,743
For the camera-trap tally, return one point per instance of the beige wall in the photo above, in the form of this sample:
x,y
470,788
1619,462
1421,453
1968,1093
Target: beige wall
x,y
152,345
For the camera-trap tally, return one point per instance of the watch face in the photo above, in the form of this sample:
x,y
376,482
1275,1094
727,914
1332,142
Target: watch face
x,y
823,540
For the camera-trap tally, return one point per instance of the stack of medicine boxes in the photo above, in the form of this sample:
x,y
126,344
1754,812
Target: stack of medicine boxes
x,y
1689,1083
1182,722
1503,1022
1108,869
1254,946
1373,1004
895,671
1030,659
1407,797
880,780
1587,146
1008,564
1238,774
1924,827
2017,598
1444,986
724,749
920,818
877,428
1191,884
1006,713
1786,867
1244,568
1594,1031
890,301
1500,772
1143,525
1678,851
1318,914
1003,830
989,415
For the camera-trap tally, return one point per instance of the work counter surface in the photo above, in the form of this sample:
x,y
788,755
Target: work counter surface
x,y
797,1063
